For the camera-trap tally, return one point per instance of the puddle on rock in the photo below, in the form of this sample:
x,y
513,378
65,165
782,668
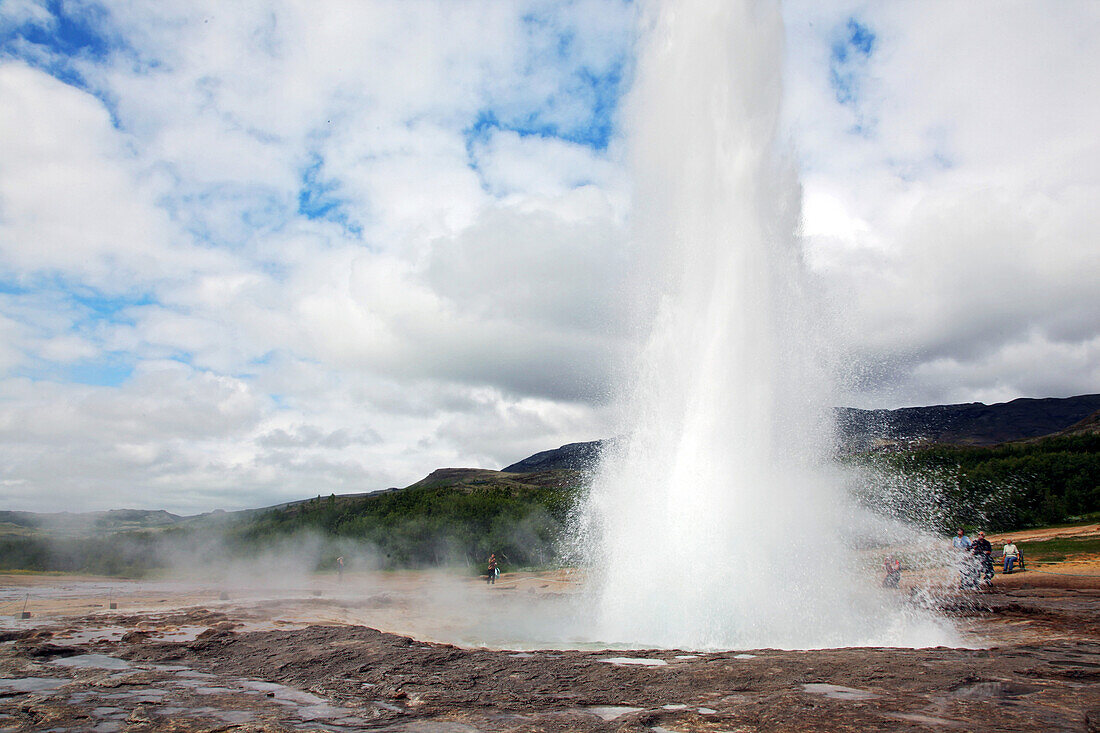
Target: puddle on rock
x,y
837,692
178,633
137,697
993,689
92,661
926,719
182,693
635,660
37,685
611,712
309,707
233,717
91,636
282,693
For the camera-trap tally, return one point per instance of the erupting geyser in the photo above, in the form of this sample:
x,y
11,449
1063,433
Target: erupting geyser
x,y
715,522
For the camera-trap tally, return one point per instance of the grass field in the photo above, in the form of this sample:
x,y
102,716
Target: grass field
x,y
1059,549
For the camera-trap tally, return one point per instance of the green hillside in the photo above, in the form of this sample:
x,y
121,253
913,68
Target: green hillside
x,y
1013,485
454,514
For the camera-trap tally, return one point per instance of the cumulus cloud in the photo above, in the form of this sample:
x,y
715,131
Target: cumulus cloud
x,y
250,253
948,165
226,232
74,203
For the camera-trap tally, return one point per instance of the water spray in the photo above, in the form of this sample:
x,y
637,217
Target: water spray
x,y
718,521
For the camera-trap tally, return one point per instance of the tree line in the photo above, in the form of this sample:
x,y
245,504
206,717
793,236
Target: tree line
x,y
1009,486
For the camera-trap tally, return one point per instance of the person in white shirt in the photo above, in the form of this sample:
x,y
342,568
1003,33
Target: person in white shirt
x,y
1011,556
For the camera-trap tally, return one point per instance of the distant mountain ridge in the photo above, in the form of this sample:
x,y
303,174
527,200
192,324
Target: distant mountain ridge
x,y
970,424
110,520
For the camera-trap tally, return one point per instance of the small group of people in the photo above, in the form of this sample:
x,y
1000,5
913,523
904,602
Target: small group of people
x,y
975,561
976,558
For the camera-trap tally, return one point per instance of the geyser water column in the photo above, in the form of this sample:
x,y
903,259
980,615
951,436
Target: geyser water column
x,y
714,523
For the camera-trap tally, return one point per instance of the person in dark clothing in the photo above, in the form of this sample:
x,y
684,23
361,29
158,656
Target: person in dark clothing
x,y
983,555
892,566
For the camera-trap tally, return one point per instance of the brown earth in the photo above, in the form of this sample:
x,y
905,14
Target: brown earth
x,y
178,658
1047,533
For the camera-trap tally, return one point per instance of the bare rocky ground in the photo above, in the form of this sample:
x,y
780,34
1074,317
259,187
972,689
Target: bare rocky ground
x,y
181,663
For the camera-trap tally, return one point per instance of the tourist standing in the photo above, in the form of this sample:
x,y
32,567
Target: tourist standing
x,y
983,553
893,572
968,574
494,571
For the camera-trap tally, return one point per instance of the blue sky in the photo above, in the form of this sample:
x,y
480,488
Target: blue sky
x,y
60,34
410,229
75,42
850,55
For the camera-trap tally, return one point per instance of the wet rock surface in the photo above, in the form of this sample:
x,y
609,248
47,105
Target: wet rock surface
x,y
139,672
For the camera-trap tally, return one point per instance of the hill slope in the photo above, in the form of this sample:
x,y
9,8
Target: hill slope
x,y
974,424
1089,426
114,520
571,456
452,514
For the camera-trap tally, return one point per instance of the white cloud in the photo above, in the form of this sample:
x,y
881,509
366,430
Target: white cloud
x,y
957,227
29,12
67,348
69,201
342,244
171,194
534,165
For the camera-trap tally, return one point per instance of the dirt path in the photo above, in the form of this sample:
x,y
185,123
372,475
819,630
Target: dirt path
x,y
1049,533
